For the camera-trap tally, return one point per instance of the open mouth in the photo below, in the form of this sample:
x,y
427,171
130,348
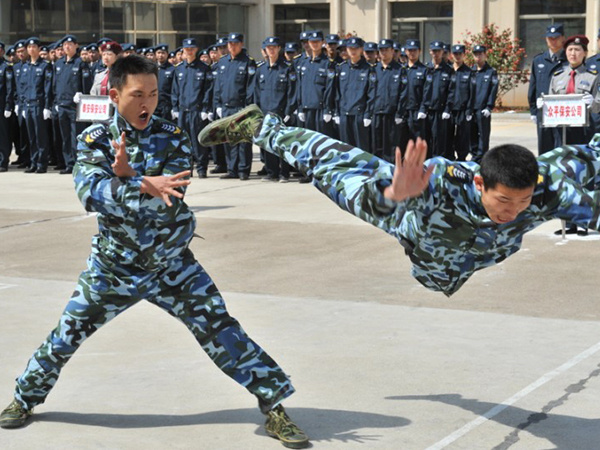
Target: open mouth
x,y
144,116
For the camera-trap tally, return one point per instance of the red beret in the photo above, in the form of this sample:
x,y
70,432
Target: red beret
x,y
578,39
111,46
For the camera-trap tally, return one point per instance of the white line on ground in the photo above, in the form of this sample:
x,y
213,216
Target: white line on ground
x,y
6,286
515,398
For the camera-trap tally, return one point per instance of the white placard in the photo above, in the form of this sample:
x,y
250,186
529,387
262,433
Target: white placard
x,y
564,111
94,108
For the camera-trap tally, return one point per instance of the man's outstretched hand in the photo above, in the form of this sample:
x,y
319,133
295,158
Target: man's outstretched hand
x,y
121,166
162,186
410,179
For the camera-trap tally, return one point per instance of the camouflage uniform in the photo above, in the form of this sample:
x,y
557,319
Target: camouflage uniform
x,y
445,231
141,252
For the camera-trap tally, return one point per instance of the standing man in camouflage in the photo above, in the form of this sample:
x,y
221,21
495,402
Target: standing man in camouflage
x,y
486,91
133,172
233,90
451,218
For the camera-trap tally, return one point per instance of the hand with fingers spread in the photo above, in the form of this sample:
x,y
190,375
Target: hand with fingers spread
x,y
162,186
410,178
121,166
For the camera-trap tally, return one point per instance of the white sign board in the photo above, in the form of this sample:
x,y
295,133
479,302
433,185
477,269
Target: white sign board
x,y
94,108
564,111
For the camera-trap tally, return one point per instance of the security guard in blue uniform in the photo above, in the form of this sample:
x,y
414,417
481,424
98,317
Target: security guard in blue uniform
x,y
459,140
13,124
593,63
190,98
332,42
316,79
37,103
71,77
274,92
438,98
217,151
414,114
166,72
542,68
389,96
486,91
7,99
370,50
355,96
24,150
99,66
234,89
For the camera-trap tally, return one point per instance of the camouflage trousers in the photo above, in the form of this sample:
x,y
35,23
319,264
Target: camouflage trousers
x,y
185,291
351,177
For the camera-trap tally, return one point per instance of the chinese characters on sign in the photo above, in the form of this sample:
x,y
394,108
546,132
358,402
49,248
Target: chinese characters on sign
x,y
94,108
564,110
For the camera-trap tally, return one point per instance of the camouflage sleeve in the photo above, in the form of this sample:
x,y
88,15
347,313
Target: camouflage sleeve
x,y
97,187
572,184
353,179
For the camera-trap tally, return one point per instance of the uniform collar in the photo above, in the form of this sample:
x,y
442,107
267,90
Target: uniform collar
x,y
358,64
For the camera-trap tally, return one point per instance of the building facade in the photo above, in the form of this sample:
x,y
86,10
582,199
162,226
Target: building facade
x,y
148,22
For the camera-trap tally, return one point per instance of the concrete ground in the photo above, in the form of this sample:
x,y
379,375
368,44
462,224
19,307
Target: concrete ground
x,y
511,361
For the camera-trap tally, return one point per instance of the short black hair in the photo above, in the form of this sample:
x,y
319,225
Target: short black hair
x,y
512,165
130,65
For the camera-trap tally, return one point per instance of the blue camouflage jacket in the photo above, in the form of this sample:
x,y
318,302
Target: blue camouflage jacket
x,y
135,229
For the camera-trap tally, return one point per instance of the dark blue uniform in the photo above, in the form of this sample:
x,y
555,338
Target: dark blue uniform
x,y
438,97
354,100
24,151
542,68
593,63
414,85
234,89
166,73
37,96
190,96
218,151
316,78
459,143
275,91
7,99
70,76
486,90
390,94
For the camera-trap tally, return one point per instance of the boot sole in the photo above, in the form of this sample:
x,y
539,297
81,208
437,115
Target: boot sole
x,y
204,134
288,444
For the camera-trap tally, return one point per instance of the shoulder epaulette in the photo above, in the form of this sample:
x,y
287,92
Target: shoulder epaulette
x,y
459,174
95,133
592,71
558,71
169,127
222,56
250,58
260,63
298,56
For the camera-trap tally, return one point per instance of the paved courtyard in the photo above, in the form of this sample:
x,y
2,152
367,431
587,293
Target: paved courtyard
x,y
511,361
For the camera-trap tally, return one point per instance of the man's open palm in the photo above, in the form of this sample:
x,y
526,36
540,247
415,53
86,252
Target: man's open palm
x,y
410,180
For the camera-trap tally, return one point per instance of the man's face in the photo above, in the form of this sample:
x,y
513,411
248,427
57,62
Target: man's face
x,y
459,58
85,56
273,51
190,53
355,53
59,52
501,203
371,57
205,59
413,54
386,55
555,44
44,55
575,55
33,50
161,56
214,55
480,58
235,48
315,46
151,56
332,49
436,56
290,55
21,54
223,50
70,48
137,99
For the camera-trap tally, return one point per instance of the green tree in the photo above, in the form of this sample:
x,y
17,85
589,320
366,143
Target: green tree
x,y
504,54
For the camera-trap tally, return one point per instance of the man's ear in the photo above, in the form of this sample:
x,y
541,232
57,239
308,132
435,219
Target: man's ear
x,y
114,95
478,180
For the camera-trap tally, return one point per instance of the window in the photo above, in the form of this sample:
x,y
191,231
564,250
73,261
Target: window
x,y
290,21
145,16
426,21
536,15
118,15
49,15
84,16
